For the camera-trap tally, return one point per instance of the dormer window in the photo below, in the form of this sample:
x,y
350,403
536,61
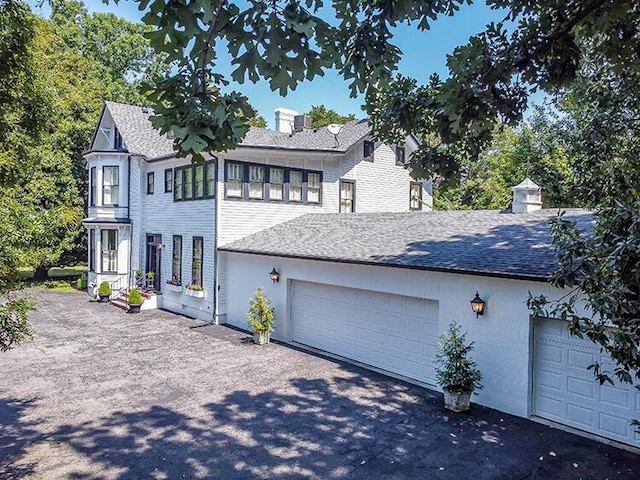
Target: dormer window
x,y
117,140
369,147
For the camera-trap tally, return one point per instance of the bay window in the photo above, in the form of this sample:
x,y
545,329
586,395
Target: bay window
x,y
109,247
110,186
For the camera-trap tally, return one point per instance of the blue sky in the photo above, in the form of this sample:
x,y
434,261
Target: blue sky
x,y
423,54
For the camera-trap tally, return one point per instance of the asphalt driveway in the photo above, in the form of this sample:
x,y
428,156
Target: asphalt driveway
x,y
100,394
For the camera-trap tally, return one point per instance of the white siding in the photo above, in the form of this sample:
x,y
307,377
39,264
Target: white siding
x,y
502,335
192,218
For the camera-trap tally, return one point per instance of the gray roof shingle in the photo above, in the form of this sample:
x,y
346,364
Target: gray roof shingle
x,y
142,139
480,242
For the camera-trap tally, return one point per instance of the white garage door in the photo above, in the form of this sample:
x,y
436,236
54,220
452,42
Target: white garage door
x,y
392,332
566,392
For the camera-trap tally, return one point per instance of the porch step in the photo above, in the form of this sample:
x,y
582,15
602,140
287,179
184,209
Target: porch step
x,y
120,302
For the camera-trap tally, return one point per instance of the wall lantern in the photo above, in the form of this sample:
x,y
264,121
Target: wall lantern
x,y
274,275
477,305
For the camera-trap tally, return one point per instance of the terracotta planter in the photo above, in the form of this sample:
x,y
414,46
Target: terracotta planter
x,y
456,401
261,338
134,307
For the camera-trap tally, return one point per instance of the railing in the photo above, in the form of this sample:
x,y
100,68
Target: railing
x,y
119,285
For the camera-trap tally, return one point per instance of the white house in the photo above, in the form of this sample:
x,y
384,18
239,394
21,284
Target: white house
x,y
379,289
362,277
153,212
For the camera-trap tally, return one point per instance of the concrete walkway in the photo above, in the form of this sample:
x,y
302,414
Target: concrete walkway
x,y
101,394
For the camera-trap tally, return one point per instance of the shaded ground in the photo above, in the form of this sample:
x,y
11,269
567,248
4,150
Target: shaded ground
x,y
105,395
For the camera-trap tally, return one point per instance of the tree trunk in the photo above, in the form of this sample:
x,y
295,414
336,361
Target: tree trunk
x,y
41,273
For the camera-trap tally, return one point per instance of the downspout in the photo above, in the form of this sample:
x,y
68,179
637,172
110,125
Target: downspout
x,y
216,255
131,221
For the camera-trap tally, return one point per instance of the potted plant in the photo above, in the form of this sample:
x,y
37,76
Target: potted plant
x,y
194,290
135,301
104,291
151,280
139,278
260,317
457,374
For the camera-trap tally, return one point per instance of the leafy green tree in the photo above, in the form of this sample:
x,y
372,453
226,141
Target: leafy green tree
x,y
321,116
258,121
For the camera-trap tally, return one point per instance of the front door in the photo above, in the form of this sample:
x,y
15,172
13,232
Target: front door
x,y
154,258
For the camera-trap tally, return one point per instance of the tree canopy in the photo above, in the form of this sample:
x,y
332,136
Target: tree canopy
x,y
322,116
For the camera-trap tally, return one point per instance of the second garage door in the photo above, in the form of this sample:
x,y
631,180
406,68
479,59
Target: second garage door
x,y
566,392
391,332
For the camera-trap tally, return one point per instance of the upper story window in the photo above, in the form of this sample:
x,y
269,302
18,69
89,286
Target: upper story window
x,y
92,187
150,183
369,147
295,185
400,155
117,140
276,184
272,183
168,180
415,196
314,183
235,177
347,196
194,182
256,182
110,185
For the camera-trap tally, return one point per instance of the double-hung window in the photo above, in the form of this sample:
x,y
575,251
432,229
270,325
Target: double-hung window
x,y
196,261
198,181
295,185
176,260
92,250
210,174
187,182
168,180
150,183
109,246
369,147
415,196
92,187
234,179
256,182
313,187
177,184
347,196
276,184
110,182
117,140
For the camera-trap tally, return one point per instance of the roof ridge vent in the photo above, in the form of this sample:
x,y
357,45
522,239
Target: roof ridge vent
x,y
527,197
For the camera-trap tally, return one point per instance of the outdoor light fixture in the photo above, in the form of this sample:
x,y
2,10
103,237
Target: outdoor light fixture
x,y
274,275
477,305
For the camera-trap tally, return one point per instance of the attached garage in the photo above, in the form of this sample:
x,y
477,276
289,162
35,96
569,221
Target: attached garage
x,y
392,332
564,391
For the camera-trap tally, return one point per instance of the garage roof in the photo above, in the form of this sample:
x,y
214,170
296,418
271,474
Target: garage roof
x,y
477,242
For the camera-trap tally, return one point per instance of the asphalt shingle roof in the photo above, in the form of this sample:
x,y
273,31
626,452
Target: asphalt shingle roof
x,y
142,139
486,242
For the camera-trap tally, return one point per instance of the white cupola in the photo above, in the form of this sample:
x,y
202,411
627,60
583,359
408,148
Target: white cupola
x,y
527,197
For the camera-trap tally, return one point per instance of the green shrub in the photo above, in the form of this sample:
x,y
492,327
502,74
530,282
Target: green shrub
x,y
104,288
138,272
261,315
134,297
455,370
82,281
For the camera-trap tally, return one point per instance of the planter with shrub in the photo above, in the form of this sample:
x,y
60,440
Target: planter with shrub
x,y
104,292
135,301
260,317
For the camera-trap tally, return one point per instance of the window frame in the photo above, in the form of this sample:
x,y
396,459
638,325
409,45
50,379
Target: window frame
x,y
227,164
117,185
93,187
151,183
306,184
103,250
353,195
411,197
117,139
168,180
282,185
176,259
288,181
247,178
195,259
401,155
92,249
186,175
368,149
